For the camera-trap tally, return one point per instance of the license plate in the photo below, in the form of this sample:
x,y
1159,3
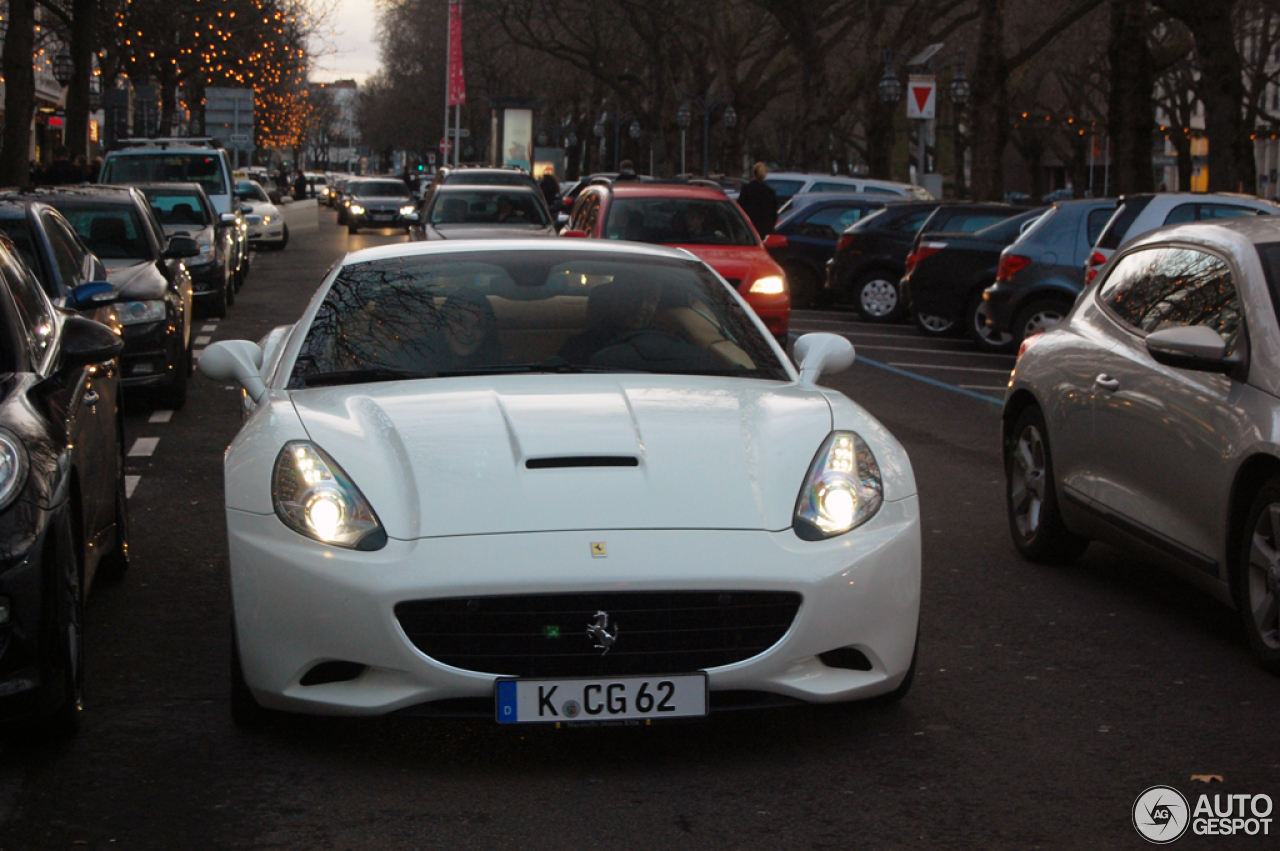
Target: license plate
x,y
382,217
611,699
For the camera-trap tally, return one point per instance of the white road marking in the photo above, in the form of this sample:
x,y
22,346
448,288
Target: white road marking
x,y
204,328
202,341
938,366
161,417
144,447
130,484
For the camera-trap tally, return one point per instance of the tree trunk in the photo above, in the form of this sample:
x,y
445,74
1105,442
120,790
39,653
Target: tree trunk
x,y
880,132
19,94
1132,93
84,28
990,110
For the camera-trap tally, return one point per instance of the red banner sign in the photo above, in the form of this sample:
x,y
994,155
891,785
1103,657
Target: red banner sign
x,y
457,83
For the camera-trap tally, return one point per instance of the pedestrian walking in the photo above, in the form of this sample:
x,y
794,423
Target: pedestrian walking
x,y
300,186
759,201
62,171
550,188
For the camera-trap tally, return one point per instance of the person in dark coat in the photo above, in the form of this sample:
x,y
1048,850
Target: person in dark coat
x,y
300,186
550,188
62,172
626,172
759,201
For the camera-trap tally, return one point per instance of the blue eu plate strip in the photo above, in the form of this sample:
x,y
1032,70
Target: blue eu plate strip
x,y
507,708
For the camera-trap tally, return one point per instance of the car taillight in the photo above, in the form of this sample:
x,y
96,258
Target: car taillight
x,y
1010,265
844,242
911,262
1090,275
926,249
1097,259
1026,343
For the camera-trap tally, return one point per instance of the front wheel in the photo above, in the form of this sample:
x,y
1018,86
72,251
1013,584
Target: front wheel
x,y
1031,497
115,564
876,297
1257,577
934,326
284,239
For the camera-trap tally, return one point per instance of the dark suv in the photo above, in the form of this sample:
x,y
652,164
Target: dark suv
x,y
154,305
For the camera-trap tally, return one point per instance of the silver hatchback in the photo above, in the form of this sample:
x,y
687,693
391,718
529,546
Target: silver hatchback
x,y
1150,418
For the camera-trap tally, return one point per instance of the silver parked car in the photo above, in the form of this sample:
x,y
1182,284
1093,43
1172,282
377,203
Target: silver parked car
x,y
1149,417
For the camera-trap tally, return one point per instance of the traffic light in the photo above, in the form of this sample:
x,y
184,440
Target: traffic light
x,y
421,167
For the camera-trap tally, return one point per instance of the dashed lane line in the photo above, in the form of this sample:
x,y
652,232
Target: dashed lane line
x,y
160,416
208,328
130,485
144,447
202,341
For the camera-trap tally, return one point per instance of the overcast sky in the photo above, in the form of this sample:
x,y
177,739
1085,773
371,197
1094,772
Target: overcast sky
x,y
351,33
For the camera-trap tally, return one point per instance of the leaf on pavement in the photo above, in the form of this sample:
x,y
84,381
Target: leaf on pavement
x,y
1207,778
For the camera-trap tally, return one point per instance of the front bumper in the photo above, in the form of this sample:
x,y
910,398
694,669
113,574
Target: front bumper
x,y
773,310
269,233
24,581
207,279
148,358
379,219
299,603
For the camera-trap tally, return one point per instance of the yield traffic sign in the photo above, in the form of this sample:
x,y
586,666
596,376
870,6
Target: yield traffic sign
x,y
922,96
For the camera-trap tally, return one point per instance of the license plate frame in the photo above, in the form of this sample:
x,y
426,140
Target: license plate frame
x,y
526,700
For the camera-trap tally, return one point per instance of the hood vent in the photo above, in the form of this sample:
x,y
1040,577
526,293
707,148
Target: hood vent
x,y
582,461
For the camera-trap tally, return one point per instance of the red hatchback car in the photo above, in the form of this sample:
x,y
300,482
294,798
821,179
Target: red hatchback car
x,y
702,221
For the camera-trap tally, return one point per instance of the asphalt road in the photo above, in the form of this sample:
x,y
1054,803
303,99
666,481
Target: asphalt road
x,y
1047,698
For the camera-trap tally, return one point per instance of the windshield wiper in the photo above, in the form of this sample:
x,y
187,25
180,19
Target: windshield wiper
x,y
529,368
357,376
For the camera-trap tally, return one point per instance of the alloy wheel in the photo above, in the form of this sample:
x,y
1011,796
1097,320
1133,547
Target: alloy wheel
x,y
935,324
1263,581
1027,481
987,335
879,298
1041,320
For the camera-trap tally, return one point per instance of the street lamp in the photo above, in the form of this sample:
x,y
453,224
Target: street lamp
x,y
684,117
64,67
634,132
890,89
959,88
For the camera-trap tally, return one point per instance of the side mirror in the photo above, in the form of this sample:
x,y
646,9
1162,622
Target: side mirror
x,y
181,246
91,295
775,240
822,354
227,219
1190,347
236,360
85,341
574,234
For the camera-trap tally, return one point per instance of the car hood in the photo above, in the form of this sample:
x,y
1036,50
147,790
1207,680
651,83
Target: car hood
x,y
138,281
488,232
737,263
442,457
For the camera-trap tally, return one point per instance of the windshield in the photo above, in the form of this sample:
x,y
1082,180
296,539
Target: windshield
x,y
249,190
113,232
179,208
488,207
477,313
678,221
382,189
205,169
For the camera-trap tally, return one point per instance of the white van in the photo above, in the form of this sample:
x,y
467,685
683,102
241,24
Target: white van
x,y
789,183
173,160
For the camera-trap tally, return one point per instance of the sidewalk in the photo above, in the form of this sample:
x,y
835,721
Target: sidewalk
x,y
301,215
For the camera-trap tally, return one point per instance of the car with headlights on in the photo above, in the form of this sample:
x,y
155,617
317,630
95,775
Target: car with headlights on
x,y
380,204
63,513
484,212
699,220
184,209
155,292
267,228
1149,418
557,480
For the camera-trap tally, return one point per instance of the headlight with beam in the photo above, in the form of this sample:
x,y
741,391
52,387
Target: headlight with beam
x,y
356,209
141,312
407,209
314,497
770,285
842,491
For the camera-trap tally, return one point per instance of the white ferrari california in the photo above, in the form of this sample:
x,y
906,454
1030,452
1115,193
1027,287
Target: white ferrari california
x,y
557,481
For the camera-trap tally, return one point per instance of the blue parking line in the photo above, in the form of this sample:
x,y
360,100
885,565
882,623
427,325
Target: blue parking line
x,y
935,382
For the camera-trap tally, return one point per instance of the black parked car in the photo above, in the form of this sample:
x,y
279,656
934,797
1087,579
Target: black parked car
x,y
812,225
184,208
117,224
381,204
1040,275
63,514
947,273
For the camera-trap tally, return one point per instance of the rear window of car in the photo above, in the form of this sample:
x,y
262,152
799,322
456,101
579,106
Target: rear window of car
x,y
969,222
508,312
678,221
179,208
163,167
786,188
833,187
1008,229
1120,222
1095,222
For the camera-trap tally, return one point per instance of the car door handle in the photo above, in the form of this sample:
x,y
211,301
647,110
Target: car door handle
x,y
1106,382
91,398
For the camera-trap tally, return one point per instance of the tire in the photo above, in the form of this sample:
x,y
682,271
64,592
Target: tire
x,y
246,712
934,326
353,228
342,216
1256,578
218,307
284,239
115,564
64,720
987,338
877,298
1039,316
174,397
806,286
1031,497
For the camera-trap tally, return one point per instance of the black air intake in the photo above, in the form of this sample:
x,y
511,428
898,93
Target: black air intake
x,y
582,461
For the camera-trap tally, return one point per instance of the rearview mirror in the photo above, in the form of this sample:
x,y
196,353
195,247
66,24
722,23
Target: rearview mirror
x,y
181,246
91,295
822,354
227,218
1196,347
236,360
775,240
85,341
